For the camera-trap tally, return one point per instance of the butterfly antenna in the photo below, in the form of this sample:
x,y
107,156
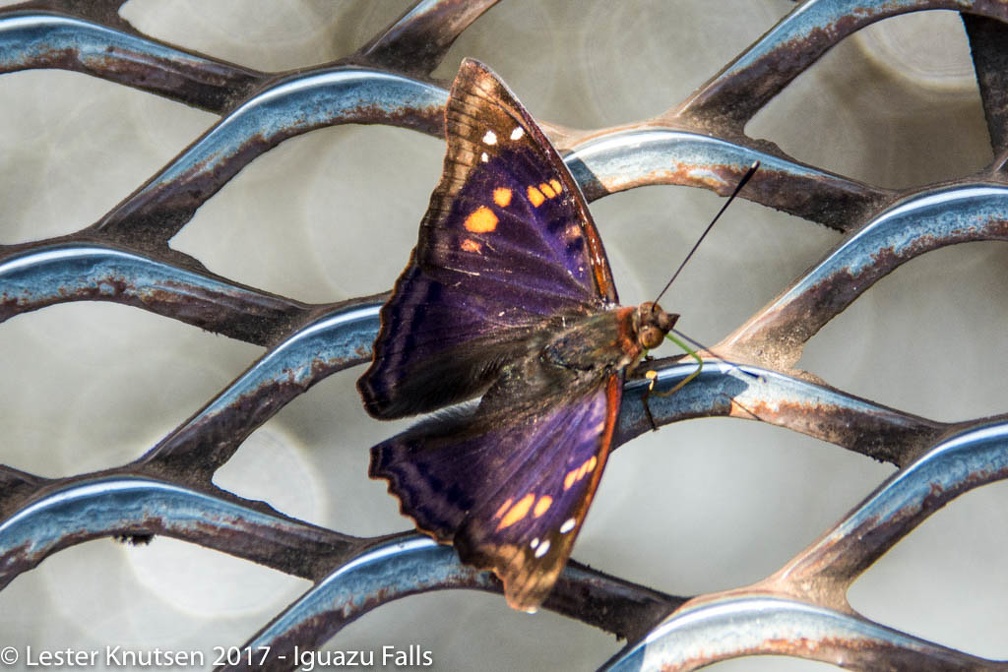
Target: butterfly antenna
x,y
738,188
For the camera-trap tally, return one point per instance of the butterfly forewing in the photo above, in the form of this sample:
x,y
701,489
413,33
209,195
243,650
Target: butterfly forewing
x,y
507,243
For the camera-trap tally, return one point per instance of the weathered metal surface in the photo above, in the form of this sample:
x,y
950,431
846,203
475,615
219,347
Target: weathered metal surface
x,y
800,610
208,439
386,572
32,39
764,395
989,38
45,275
343,95
764,625
418,40
962,462
91,508
636,157
925,221
750,81
411,564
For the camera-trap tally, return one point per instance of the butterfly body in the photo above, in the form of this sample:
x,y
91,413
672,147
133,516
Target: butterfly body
x,y
506,325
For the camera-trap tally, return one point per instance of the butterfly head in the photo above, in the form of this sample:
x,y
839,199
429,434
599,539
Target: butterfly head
x,y
653,323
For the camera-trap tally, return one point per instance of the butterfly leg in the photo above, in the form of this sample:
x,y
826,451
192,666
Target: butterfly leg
x,y
653,376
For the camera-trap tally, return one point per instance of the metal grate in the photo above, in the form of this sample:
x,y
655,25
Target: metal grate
x,y
116,456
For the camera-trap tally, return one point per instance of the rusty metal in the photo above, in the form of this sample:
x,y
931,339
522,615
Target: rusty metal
x,y
919,223
800,610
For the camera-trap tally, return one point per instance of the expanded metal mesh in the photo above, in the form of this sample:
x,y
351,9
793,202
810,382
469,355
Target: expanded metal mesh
x,y
336,215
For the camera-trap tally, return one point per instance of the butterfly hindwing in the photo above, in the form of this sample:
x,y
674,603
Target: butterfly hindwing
x,y
511,495
507,242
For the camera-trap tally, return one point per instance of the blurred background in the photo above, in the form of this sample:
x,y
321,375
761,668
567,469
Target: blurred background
x,y
697,507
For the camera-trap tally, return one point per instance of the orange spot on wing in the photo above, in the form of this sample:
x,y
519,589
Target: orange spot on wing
x,y
575,475
535,196
555,183
517,512
542,506
502,196
470,245
481,220
504,507
547,190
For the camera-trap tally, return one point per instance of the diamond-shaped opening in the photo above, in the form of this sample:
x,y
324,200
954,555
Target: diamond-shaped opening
x,y
945,582
262,34
926,339
712,504
322,217
464,629
167,594
73,146
88,386
894,105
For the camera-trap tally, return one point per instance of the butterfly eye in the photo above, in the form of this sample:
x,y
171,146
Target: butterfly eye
x,y
650,336
654,323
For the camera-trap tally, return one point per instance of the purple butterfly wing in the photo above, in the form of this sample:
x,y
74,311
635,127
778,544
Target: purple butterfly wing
x,y
511,495
506,244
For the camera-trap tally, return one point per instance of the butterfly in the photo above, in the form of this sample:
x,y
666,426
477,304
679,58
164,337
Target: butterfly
x,y
506,322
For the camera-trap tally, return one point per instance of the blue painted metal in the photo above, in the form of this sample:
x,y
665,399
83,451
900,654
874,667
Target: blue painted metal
x,y
627,158
753,393
744,625
762,71
124,505
632,157
36,39
419,39
967,460
31,39
49,274
795,604
385,572
296,105
333,342
921,222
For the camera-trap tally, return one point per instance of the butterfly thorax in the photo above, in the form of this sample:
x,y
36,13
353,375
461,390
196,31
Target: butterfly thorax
x,y
606,341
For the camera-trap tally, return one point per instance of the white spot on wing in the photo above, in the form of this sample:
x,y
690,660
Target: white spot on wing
x,y
484,157
490,138
543,548
567,526
535,542
517,133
